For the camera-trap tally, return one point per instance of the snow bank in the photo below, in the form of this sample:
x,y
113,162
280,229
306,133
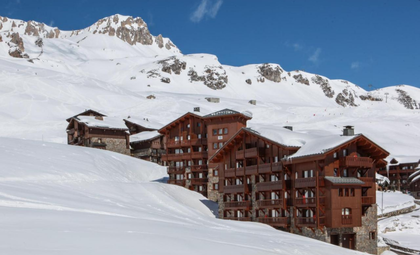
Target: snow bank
x,y
59,199
392,201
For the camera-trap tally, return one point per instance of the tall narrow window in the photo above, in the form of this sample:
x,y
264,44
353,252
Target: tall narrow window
x,y
225,131
344,152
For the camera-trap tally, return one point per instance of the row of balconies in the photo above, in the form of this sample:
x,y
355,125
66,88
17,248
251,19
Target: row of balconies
x,y
181,170
184,143
187,156
250,153
350,161
254,169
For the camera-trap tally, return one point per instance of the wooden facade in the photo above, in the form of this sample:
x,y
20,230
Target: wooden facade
x,y
414,183
151,149
84,131
191,139
331,191
398,173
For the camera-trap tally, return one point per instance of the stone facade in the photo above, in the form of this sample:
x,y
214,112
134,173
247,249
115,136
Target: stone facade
x,y
112,144
212,194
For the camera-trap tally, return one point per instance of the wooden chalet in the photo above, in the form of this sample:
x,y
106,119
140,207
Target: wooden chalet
x,y
98,132
325,189
398,171
191,139
414,183
88,112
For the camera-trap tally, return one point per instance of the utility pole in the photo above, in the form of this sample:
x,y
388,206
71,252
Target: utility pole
x,y
386,97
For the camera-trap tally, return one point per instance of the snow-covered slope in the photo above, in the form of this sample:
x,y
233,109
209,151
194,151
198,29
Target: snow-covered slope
x,y
60,199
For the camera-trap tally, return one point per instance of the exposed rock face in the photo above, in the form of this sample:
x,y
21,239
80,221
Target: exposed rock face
x,y
39,42
214,77
165,80
248,81
345,98
324,83
159,41
151,97
406,100
270,72
16,39
173,64
1,39
370,98
299,78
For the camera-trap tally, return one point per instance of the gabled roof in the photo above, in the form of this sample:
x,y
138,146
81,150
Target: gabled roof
x,y
397,160
323,145
227,112
107,122
87,112
144,136
145,124
162,130
238,134
343,180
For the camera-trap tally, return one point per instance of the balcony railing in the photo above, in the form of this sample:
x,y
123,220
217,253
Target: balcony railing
x,y
270,203
274,221
367,200
306,221
268,186
346,219
176,170
199,154
237,218
238,204
350,161
305,182
305,202
250,170
199,168
198,181
177,182
234,189
250,153
230,172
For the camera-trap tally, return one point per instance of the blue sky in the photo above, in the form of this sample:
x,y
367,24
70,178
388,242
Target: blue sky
x,y
373,42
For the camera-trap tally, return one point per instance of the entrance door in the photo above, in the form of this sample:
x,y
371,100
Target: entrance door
x,y
349,241
334,239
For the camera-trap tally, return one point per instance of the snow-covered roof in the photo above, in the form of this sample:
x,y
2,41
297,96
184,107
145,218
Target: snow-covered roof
x,y
144,136
402,159
144,122
221,113
321,145
281,136
343,180
107,122
380,179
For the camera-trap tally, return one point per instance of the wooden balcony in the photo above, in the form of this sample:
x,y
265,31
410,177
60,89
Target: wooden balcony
x,y
269,186
234,189
270,203
305,202
198,181
177,182
346,220
250,153
306,222
369,181
305,182
238,205
176,170
350,161
251,170
199,154
270,168
274,221
199,168
230,172
367,200
174,157
238,218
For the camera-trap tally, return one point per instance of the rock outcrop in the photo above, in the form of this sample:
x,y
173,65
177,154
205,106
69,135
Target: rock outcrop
x,y
345,98
406,100
299,78
214,77
172,64
270,72
324,84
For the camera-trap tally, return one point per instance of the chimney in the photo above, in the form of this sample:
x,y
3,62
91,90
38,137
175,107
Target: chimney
x,y
348,131
288,127
197,109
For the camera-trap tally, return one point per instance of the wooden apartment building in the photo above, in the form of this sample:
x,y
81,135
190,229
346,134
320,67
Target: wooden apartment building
x,y
414,183
324,189
191,139
398,171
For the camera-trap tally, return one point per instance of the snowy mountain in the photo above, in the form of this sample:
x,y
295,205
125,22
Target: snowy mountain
x,y
113,66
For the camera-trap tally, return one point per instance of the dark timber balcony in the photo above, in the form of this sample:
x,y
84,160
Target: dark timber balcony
x,y
234,189
177,182
270,203
305,202
238,218
305,182
367,200
346,220
176,170
250,153
199,181
306,222
268,186
369,181
199,154
238,205
274,221
199,168
350,161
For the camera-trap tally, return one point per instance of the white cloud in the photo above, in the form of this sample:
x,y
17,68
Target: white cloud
x,y
355,65
206,9
314,58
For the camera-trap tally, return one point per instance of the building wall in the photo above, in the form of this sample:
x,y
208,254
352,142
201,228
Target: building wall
x,y
113,144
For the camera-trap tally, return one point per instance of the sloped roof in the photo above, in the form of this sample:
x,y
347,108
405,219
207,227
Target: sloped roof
x,y
343,180
107,122
144,123
144,136
221,113
402,159
96,113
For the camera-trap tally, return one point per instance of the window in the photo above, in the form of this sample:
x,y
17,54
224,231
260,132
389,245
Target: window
x,y
225,131
340,192
188,125
200,175
198,124
346,211
335,155
345,174
220,131
214,145
352,192
216,173
372,235
216,186
346,192
176,138
220,145
335,172
199,136
188,137
214,131
344,152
